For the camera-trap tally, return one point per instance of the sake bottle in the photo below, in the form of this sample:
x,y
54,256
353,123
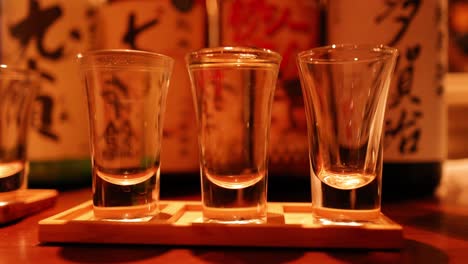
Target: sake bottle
x,y
44,36
415,120
173,28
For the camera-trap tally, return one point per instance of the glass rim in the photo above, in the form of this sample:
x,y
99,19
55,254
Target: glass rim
x,y
17,71
233,54
380,51
150,59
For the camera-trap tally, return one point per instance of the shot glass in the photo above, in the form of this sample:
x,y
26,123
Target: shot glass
x,y
18,90
233,91
345,91
126,94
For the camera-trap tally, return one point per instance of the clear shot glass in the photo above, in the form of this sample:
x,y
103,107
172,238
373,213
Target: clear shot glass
x,y
18,89
126,94
233,91
345,90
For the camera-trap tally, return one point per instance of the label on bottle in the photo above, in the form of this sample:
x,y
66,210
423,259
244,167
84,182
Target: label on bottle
x,y
45,37
286,27
415,119
172,28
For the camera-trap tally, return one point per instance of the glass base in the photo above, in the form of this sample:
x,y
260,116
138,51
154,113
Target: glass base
x,y
331,216
138,213
244,215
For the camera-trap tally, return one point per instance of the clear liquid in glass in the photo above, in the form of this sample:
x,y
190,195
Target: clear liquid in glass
x,y
12,176
240,198
126,193
340,205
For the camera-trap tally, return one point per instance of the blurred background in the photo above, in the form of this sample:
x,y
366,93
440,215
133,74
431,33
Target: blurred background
x,y
458,38
46,35
457,79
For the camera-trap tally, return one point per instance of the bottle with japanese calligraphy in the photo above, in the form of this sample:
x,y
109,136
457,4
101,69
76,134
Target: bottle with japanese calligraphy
x,y
45,36
415,120
287,27
173,28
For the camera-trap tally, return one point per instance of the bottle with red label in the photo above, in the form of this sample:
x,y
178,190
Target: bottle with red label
x,y
287,27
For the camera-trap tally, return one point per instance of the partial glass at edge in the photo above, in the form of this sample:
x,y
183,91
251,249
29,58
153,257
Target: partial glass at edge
x,y
233,91
345,90
126,93
18,89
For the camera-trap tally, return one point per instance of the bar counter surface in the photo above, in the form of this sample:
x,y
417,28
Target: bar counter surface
x,y
435,231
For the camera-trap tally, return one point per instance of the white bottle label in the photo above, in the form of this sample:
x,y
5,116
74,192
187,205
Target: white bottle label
x,y
173,28
45,36
415,122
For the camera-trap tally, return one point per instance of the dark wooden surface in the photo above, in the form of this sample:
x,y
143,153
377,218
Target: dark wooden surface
x,y
435,230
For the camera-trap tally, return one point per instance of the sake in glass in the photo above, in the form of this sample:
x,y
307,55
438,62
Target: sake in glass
x,y
345,91
18,89
126,94
233,91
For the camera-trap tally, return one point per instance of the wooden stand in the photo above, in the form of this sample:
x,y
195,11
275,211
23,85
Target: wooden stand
x,y
180,223
17,204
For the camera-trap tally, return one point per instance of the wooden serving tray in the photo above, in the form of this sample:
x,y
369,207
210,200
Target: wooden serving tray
x,y
21,203
180,223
